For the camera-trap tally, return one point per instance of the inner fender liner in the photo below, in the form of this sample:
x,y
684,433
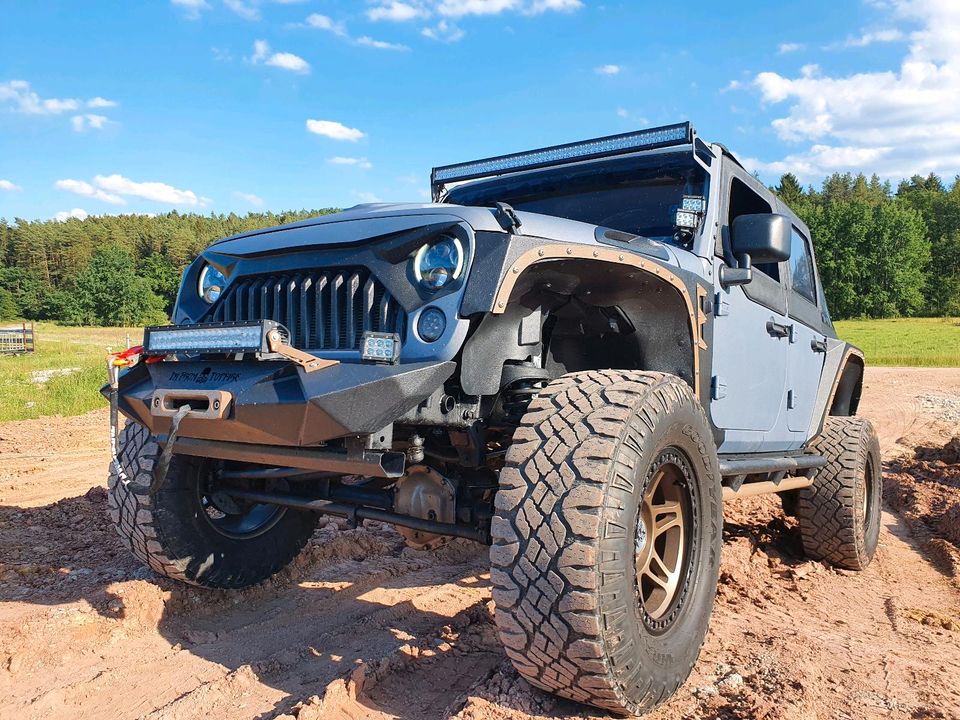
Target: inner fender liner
x,y
498,339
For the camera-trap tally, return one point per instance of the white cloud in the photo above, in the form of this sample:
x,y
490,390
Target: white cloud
x,y
21,96
404,11
459,8
323,22
362,163
540,6
79,187
623,112
367,197
249,198
243,9
785,48
443,31
8,186
380,44
608,70
155,191
113,188
283,60
25,100
397,12
89,121
868,38
334,130
289,61
894,122
191,8
64,215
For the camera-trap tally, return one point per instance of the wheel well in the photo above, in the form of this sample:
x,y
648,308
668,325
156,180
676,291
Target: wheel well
x,y
846,398
575,315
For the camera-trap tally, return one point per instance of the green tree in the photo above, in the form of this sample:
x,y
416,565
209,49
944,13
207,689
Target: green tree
x,y
790,190
25,289
8,306
109,292
163,277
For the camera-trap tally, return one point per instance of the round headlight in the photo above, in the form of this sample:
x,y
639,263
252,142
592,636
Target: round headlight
x,y
212,283
439,263
431,325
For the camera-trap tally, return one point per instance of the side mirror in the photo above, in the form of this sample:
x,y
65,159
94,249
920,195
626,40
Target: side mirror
x,y
762,238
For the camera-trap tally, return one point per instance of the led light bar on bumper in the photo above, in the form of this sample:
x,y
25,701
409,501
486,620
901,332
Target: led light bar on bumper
x,y
665,136
214,338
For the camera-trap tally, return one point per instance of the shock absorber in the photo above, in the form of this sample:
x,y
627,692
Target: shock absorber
x,y
517,397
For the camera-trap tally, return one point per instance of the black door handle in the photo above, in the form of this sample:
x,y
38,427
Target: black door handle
x,y
778,330
818,346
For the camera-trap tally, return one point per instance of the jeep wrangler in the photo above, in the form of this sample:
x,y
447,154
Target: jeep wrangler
x,y
574,355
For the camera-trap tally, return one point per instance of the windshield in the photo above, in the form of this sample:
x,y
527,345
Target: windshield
x,y
638,195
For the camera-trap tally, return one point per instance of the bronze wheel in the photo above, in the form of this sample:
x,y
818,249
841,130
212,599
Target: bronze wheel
x,y
663,537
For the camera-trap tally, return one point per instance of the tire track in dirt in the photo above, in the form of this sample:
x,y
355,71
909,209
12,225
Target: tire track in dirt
x,y
273,643
360,627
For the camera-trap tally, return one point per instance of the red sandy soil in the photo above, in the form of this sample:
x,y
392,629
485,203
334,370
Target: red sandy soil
x,y
362,627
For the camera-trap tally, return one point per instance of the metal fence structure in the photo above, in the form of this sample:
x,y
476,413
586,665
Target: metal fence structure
x,y
15,340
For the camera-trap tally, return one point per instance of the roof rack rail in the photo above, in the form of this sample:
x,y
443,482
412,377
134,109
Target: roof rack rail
x,y
631,142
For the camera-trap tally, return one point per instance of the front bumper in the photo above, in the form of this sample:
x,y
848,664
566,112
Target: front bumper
x,y
276,403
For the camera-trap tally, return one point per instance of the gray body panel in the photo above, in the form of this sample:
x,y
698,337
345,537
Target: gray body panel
x,y
763,391
749,375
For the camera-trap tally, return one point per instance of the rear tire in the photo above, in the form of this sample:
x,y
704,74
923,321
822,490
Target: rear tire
x,y
840,513
608,470
178,533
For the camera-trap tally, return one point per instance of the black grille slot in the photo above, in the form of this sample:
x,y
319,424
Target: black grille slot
x,y
322,309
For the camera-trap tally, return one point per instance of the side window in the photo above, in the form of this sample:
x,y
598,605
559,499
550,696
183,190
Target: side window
x,y
801,268
744,201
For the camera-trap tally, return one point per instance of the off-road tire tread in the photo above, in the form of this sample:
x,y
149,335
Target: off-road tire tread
x,y
133,511
825,510
547,531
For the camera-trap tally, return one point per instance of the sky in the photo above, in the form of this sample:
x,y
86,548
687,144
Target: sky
x,y
244,105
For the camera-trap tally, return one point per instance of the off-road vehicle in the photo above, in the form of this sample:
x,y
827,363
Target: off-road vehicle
x,y
574,355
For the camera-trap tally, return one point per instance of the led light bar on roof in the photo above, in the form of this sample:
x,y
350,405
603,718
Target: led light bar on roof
x,y
665,136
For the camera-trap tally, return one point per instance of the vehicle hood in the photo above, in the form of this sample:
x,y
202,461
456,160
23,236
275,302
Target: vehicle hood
x,y
363,222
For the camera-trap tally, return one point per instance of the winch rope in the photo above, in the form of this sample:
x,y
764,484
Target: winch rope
x,y
163,463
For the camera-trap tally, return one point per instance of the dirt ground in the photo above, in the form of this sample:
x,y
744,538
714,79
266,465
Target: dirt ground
x,y
361,627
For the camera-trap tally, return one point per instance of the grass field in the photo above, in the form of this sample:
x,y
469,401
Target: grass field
x,y
31,386
905,342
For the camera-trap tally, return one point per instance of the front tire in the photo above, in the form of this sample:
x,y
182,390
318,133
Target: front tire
x,y
183,532
606,538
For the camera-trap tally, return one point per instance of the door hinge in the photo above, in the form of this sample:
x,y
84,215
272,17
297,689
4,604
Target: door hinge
x,y
720,306
718,389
